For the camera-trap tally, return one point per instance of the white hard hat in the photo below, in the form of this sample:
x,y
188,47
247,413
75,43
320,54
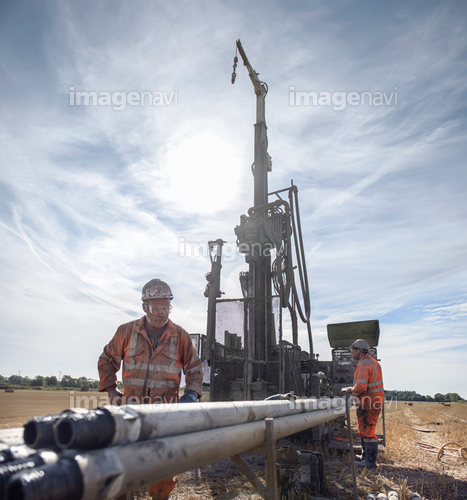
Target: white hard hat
x,y
361,344
156,289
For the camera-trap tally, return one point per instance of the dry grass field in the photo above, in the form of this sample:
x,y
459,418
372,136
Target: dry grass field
x,y
414,435
16,408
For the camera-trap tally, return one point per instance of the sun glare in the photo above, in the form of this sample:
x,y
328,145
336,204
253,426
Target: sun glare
x,y
202,173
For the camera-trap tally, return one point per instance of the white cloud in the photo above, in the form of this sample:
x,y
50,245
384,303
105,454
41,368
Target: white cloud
x,y
438,313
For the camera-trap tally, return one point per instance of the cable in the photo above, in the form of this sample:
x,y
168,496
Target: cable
x,y
301,264
282,227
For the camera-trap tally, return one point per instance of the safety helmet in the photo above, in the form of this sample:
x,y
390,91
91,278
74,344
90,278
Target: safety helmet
x,y
156,289
361,344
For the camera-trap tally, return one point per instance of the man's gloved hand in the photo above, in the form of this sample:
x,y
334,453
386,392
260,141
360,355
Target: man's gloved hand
x,y
115,396
189,397
349,396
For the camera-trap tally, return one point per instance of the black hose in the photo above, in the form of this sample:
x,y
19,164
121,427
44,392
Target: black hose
x,y
282,268
301,263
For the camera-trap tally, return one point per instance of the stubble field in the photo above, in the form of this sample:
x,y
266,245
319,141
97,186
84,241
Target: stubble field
x,y
414,435
17,407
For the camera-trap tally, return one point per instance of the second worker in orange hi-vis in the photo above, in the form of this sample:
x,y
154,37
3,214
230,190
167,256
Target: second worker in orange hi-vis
x,y
369,395
152,352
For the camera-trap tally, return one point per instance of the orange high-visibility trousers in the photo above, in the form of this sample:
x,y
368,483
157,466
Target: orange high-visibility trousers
x,y
162,489
367,418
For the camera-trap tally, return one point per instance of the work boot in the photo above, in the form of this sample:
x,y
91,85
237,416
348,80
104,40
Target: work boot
x,y
371,452
362,457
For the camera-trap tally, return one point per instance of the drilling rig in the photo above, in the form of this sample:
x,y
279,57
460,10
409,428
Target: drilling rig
x,y
244,346
252,360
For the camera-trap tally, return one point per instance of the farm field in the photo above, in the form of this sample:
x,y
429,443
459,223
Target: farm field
x,y
414,435
17,407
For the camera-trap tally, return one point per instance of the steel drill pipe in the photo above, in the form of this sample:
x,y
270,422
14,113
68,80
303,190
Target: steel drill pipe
x,y
15,452
11,437
114,425
38,432
28,461
111,471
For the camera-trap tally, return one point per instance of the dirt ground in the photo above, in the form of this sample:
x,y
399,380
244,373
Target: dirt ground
x,y
415,433
409,463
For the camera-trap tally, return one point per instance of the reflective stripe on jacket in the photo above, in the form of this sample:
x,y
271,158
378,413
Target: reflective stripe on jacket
x,y
152,375
368,380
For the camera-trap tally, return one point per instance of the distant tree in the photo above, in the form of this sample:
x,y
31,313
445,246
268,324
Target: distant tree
x,y
15,379
51,381
68,381
2,379
93,384
414,396
38,381
453,396
83,384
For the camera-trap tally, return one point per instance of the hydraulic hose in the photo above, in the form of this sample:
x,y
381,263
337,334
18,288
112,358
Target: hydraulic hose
x,y
301,264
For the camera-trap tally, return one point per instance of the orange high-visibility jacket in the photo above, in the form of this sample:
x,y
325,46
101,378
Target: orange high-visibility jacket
x,y
152,375
368,382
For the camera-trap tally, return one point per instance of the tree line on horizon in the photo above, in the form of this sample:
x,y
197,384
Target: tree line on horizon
x,y
88,384
450,397
52,382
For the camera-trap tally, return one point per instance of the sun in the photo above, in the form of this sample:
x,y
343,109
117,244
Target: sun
x,y
202,172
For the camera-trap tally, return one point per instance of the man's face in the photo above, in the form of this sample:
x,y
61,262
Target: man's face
x,y
355,353
157,312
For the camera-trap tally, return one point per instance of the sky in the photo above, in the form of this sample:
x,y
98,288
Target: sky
x,y
366,113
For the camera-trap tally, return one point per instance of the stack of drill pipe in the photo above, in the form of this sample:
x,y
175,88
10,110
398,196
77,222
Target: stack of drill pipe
x,y
105,452
10,437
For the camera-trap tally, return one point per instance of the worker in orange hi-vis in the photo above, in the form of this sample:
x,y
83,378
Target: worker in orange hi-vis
x,y
369,395
152,352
